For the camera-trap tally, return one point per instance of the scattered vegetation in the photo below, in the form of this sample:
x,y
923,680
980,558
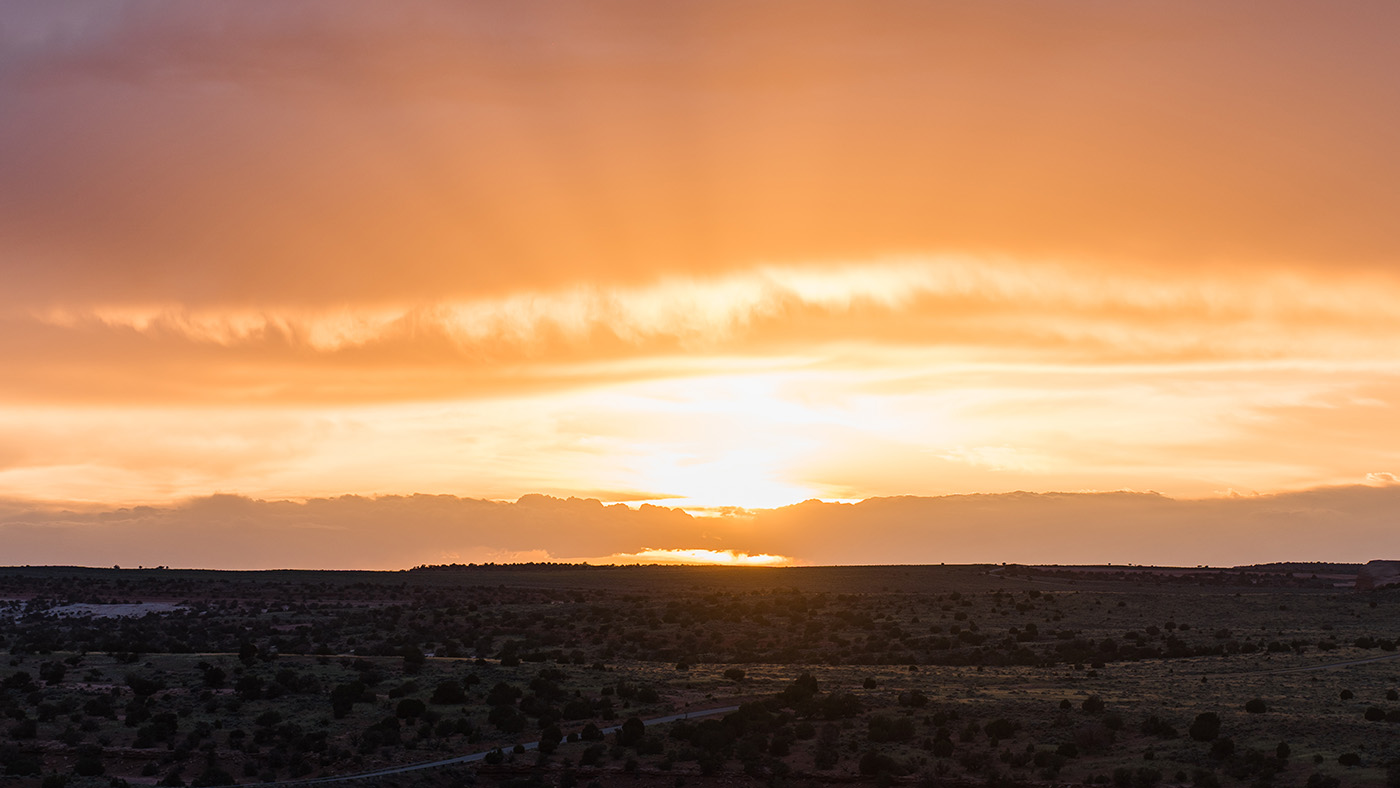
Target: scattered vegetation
x,y
935,675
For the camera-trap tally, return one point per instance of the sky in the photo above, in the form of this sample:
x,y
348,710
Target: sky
x,y
287,268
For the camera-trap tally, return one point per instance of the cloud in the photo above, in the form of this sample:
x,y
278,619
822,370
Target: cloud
x,y
386,532
329,153
311,247
1328,524
964,310
840,421
392,532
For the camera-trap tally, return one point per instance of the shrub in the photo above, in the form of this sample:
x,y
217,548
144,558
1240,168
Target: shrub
x,y
1142,777
89,762
1256,706
800,690
840,705
248,687
142,685
448,692
503,694
874,762
883,728
344,696
410,709
1156,726
20,764
550,738
1206,727
19,680
1001,728
1094,738
212,776
52,672
592,754
506,719
913,698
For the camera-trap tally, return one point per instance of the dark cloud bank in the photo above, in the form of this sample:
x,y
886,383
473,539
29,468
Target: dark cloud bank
x,y
225,531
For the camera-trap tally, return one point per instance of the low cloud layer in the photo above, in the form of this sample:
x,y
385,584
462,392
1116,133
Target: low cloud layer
x,y
394,532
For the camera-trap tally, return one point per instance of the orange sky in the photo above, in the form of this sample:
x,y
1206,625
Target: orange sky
x,y
700,254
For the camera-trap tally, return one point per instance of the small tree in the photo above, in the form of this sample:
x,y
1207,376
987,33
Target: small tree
x,y
550,738
631,732
413,659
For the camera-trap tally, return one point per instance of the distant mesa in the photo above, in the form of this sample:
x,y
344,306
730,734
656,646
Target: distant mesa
x,y
1378,574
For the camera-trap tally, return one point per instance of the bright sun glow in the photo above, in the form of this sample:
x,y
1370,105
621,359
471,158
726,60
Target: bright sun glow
x,y
698,556
715,441
739,478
